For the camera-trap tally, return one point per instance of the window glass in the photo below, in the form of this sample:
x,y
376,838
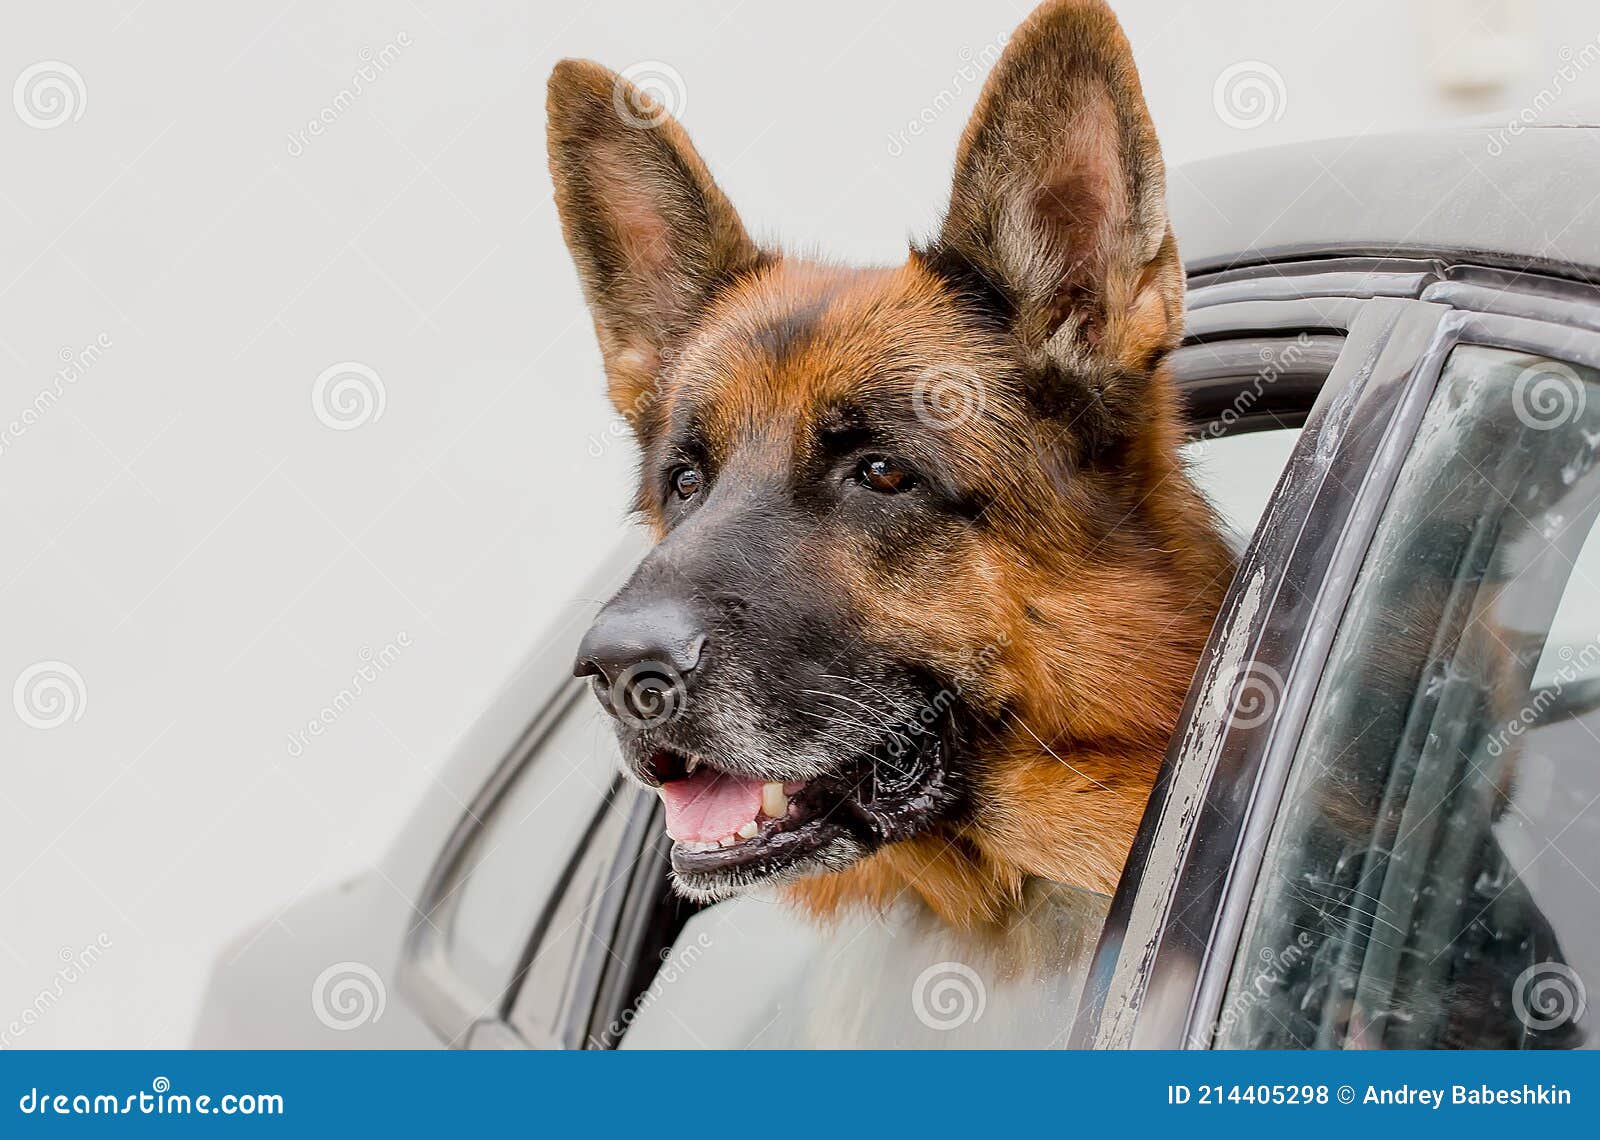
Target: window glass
x,y
551,1003
751,973
1237,473
525,844
1432,877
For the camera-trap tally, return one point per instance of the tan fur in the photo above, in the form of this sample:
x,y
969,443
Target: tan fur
x,y
1089,589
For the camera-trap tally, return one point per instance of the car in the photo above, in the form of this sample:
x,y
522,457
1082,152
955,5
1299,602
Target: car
x,y
1377,825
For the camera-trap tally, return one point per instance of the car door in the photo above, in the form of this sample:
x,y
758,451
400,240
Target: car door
x,y
1377,828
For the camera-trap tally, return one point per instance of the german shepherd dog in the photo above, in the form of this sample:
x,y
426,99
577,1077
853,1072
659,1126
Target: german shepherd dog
x,y
930,580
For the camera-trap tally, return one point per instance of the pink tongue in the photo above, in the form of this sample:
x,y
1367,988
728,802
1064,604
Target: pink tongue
x,y
708,805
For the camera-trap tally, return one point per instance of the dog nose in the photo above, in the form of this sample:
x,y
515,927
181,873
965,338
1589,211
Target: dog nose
x,y
641,657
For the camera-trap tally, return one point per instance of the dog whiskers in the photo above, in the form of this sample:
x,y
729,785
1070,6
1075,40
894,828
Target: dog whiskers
x,y
859,704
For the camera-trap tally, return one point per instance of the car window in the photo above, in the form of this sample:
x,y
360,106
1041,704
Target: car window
x,y
750,973
523,846
1237,473
1431,880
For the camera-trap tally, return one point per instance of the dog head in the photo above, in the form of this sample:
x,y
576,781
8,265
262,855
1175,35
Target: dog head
x,y
920,528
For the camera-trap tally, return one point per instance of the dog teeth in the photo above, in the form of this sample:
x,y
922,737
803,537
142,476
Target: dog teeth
x,y
774,805
690,765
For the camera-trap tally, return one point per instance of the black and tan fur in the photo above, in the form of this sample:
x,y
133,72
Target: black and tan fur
x,y
1053,537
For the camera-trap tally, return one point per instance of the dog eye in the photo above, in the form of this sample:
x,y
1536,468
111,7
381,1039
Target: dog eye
x,y
686,482
884,475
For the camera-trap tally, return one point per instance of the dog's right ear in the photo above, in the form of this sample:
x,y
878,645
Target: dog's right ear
x,y
653,237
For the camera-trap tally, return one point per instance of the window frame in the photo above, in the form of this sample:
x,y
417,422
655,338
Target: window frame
x,y
452,1006
1170,945
1239,329
1369,323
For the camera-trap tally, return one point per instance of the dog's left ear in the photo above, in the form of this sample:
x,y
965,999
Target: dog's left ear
x,y
1058,217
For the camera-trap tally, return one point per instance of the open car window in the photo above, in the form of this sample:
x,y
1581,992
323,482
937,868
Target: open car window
x,y
751,973
1432,877
1237,473
611,957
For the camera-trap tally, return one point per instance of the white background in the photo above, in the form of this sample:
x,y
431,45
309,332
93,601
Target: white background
x,y
183,530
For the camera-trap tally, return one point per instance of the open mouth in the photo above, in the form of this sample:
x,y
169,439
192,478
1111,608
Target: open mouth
x,y
731,830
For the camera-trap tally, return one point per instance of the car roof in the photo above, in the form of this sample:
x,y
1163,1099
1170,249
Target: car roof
x,y
1491,192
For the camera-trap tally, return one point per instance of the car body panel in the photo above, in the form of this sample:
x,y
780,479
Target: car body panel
x,y
1418,193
